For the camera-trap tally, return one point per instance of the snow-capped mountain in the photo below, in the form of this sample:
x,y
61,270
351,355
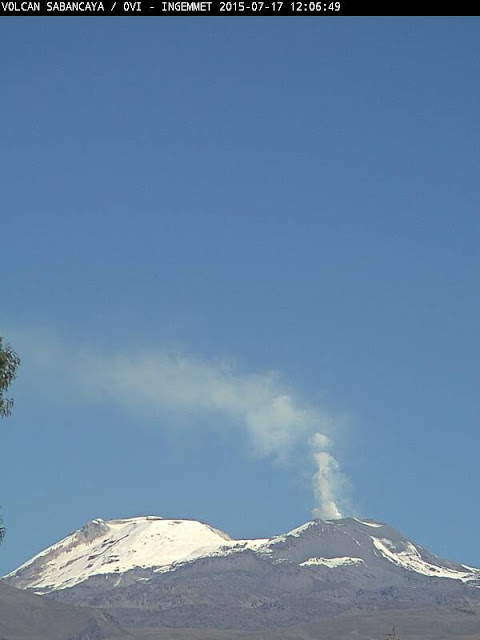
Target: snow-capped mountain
x,y
120,546
150,570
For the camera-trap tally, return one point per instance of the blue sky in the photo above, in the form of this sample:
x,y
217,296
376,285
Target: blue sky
x,y
220,237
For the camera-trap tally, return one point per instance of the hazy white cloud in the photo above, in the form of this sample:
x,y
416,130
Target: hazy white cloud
x,y
256,402
277,423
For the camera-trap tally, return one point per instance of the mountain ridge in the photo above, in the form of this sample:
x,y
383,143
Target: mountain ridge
x,y
153,571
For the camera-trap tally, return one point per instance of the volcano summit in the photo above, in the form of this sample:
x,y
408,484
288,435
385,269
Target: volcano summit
x,y
150,572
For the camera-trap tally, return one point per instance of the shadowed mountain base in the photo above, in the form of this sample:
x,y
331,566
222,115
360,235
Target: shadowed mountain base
x,y
413,624
25,616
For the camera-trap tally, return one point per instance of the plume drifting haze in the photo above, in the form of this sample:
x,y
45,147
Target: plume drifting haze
x,y
278,424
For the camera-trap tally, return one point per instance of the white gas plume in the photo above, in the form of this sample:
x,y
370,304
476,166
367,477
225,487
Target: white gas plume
x,y
325,486
278,424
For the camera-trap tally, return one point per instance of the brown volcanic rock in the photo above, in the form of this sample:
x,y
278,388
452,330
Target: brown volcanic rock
x,y
25,616
411,624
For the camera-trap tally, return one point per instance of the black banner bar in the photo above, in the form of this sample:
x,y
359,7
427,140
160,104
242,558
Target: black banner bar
x,y
321,8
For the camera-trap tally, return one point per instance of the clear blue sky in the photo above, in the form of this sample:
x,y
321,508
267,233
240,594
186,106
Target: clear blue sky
x,y
188,205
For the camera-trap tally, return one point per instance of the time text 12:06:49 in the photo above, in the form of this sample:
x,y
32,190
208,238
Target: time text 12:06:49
x,y
314,7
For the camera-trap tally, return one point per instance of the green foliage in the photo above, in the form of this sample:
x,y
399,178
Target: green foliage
x,y
9,363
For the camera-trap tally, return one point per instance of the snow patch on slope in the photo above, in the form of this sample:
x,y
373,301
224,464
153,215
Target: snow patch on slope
x,y
332,563
370,523
299,530
410,559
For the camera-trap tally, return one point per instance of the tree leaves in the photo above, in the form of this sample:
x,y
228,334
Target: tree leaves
x,y
9,363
